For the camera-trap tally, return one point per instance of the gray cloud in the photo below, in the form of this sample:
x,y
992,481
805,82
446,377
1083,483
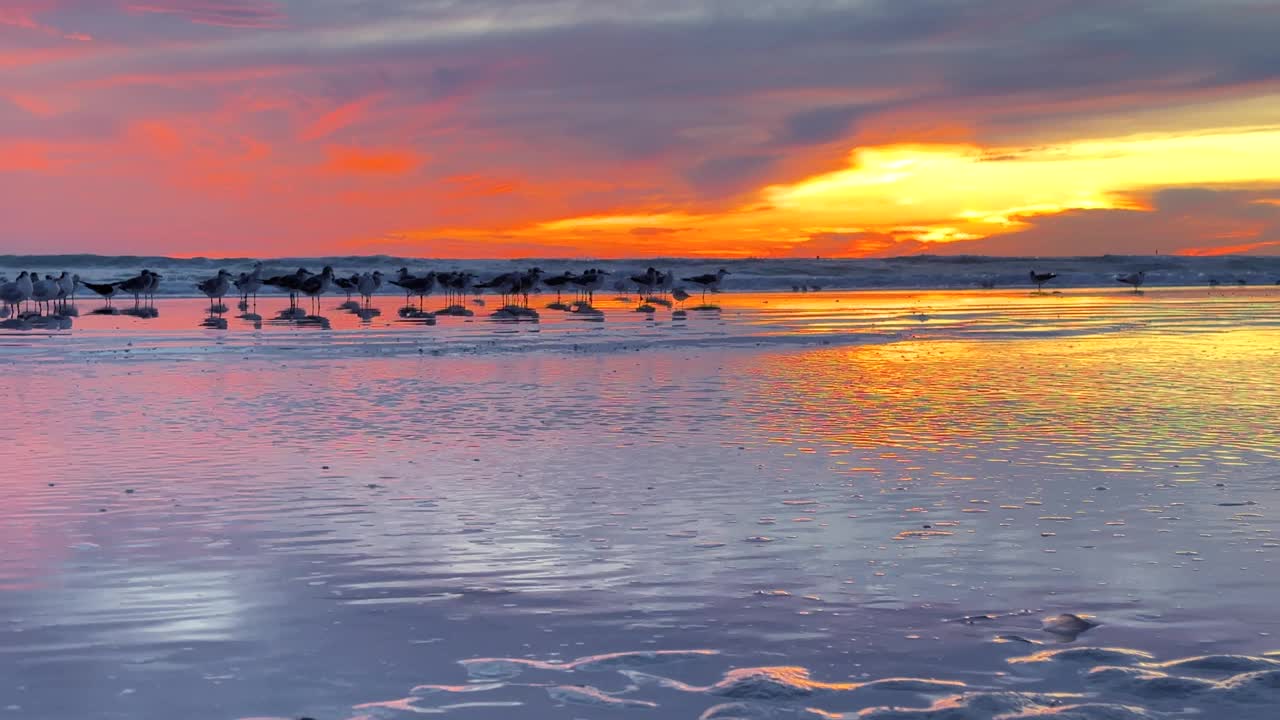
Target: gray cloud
x,y
1180,219
712,88
729,174
820,125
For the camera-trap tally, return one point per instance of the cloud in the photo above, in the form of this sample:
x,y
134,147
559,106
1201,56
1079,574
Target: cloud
x,y
567,109
28,157
651,231
1182,221
224,13
337,119
730,174
23,14
855,244
819,125
350,160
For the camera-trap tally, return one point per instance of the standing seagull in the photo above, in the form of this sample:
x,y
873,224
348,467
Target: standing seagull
x,y
414,285
589,282
136,285
106,290
646,282
347,285
290,283
680,295
1134,279
1041,278
13,294
527,283
45,291
67,288
318,285
503,283
557,283
369,284
216,287
153,282
708,282
250,283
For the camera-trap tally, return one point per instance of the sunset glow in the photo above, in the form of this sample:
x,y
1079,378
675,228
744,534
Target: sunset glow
x,y
491,129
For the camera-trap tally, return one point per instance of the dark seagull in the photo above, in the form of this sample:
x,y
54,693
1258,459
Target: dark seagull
x,y
710,281
1041,278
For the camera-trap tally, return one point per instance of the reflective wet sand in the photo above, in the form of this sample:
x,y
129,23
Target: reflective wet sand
x,y
732,528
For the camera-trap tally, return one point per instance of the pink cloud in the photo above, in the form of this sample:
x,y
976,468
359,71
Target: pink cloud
x,y
23,13
336,119
224,13
29,157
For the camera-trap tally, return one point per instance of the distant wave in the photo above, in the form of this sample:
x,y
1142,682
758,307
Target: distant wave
x,y
913,272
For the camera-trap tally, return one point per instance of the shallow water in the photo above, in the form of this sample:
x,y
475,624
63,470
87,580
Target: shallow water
x,y
734,521
175,328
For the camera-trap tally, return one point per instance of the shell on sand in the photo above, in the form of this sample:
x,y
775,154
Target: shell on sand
x,y
1068,624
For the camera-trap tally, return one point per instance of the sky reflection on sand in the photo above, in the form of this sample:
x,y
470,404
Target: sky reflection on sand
x,y
230,537
743,319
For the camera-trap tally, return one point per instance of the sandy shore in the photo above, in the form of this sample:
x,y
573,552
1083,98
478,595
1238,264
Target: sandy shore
x,y
735,521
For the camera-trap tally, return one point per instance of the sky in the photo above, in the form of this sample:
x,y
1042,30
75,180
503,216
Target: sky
x,y
631,128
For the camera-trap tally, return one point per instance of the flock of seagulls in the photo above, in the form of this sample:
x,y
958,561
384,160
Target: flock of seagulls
x,y
1133,279
51,295
514,289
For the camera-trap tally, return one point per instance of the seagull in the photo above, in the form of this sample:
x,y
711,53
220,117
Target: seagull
x,y
680,295
1041,278
216,287
250,283
557,282
414,285
153,282
666,281
106,290
368,284
456,285
136,285
347,285
527,283
44,291
318,285
67,287
1135,279
13,294
589,282
647,282
709,281
291,283
503,283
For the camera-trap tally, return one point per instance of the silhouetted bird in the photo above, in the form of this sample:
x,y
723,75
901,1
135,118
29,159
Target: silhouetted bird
x,y
1135,279
1041,278
708,282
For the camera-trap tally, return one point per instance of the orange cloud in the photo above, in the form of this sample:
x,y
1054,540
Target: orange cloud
x,y
357,161
26,156
340,117
1240,249
157,136
471,186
